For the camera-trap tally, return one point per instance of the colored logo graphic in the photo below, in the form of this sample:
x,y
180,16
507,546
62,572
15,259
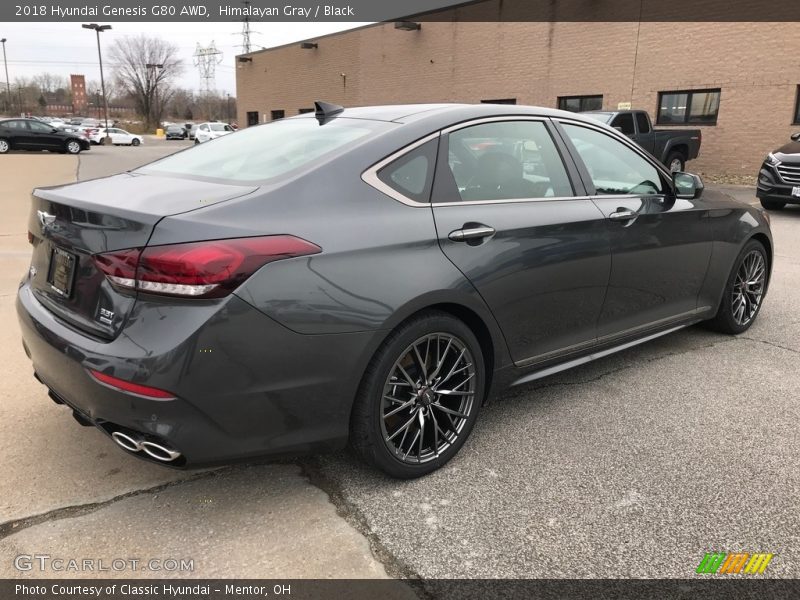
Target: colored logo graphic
x,y
734,563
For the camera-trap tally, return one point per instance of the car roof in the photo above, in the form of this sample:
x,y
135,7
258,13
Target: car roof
x,y
444,113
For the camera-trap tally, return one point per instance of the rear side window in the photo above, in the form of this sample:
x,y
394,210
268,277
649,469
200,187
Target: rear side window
x,y
266,151
412,174
614,167
504,160
643,122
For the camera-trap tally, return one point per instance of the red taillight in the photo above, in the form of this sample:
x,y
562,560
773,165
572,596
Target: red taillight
x,y
133,388
198,269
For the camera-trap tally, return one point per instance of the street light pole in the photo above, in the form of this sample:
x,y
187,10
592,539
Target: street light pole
x,y
156,67
98,28
5,63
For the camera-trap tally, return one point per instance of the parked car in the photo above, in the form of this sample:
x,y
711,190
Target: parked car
x,y
30,134
175,132
326,286
119,137
211,131
673,147
779,176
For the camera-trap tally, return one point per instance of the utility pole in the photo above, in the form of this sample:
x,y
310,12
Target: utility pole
x,y
155,67
8,84
98,28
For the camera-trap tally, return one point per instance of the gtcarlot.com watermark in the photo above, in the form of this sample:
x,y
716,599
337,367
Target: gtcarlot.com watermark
x,y
41,563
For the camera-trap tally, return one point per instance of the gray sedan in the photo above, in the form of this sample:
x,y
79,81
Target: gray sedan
x,y
371,275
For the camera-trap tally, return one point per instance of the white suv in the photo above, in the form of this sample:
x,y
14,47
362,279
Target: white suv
x,y
211,131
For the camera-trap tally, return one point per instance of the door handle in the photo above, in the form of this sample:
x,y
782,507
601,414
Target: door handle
x,y
623,214
473,233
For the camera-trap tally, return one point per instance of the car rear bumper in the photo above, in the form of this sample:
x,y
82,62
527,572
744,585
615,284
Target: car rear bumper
x,y
245,386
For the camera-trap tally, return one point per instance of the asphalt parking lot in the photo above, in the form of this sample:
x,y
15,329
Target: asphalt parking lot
x,y
632,466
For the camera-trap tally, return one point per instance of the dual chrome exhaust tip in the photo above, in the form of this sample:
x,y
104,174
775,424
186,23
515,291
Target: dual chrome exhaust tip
x,y
133,443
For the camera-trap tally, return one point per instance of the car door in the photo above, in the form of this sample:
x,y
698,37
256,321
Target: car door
x,y
17,133
42,136
660,245
122,137
512,215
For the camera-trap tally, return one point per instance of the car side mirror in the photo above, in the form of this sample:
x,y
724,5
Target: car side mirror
x,y
796,136
688,186
54,129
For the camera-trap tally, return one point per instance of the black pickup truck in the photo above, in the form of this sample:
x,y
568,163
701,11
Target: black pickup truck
x,y
673,147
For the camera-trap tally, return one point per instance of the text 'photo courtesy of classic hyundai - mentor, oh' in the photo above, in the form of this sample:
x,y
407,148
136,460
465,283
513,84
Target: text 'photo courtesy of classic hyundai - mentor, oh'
x,y
371,275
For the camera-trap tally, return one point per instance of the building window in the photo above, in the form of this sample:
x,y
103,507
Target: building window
x,y
277,114
252,118
692,106
302,111
580,103
500,101
797,107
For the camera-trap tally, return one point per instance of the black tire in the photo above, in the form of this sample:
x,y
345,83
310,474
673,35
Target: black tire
x,y
676,161
772,204
725,321
73,147
135,142
5,146
368,436
196,141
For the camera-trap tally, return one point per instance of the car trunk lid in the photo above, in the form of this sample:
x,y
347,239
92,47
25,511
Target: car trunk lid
x,y
69,224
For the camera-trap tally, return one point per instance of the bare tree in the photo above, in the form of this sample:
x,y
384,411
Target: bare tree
x,y
150,87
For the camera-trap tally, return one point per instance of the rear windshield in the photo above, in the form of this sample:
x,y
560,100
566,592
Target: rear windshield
x,y
266,151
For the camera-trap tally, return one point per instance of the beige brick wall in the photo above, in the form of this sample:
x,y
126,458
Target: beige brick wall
x,y
754,64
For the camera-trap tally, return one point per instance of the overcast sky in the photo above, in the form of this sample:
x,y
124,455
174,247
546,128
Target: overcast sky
x,y
65,48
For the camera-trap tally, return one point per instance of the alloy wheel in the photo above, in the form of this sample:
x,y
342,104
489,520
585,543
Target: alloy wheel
x,y
675,165
428,398
4,147
748,287
73,147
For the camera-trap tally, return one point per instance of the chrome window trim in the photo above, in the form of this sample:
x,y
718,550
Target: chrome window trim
x,y
370,176
511,201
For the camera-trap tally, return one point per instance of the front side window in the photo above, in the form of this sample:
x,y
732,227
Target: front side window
x,y
694,106
268,151
219,127
624,122
40,127
580,103
613,167
506,160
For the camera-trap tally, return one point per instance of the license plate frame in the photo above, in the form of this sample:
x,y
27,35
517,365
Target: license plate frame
x,y
62,272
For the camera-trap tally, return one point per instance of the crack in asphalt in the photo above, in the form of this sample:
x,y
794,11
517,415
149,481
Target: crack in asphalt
x,y
9,528
773,344
395,567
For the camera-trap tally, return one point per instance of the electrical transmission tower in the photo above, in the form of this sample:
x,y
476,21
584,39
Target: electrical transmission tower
x,y
246,31
206,59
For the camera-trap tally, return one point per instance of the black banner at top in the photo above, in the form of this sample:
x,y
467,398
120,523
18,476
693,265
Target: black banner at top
x,y
393,10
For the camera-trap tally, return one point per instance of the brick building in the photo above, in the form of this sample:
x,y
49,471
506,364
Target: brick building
x,y
80,100
738,82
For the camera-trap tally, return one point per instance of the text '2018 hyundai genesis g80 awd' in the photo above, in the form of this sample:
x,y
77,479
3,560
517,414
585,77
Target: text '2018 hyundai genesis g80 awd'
x,y
370,274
